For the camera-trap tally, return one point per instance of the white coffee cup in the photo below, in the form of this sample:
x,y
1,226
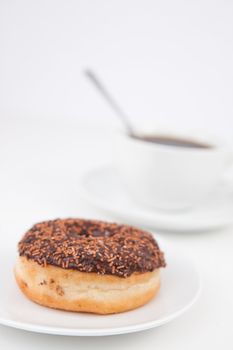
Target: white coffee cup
x,y
169,177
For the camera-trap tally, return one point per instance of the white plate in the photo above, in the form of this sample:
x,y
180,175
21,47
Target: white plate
x,y
102,188
179,289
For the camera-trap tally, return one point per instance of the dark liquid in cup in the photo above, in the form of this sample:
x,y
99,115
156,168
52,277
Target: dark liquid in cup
x,y
172,141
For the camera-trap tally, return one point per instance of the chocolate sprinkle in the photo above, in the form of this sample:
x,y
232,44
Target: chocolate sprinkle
x,y
92,246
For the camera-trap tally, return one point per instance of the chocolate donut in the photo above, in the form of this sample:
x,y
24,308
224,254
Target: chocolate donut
x,y
88,265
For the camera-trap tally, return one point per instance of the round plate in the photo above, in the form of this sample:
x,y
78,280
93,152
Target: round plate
x,y
102,188
180,287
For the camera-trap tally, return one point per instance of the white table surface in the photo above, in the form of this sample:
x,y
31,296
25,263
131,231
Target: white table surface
x,y
40,169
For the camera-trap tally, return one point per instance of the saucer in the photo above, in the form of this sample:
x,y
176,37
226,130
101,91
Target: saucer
x,y
102,188
180,288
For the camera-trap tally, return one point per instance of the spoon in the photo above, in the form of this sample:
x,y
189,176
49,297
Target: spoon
x,y
111,101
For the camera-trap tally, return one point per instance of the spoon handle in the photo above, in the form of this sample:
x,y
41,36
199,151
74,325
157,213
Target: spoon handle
x,y
115,106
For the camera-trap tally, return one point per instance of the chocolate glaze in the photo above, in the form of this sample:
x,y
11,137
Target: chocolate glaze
x,y
92,246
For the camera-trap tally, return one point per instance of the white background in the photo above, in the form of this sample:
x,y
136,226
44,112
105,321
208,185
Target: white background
x,y
169,63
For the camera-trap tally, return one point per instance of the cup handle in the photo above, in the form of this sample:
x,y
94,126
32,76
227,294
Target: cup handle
x,y
227,179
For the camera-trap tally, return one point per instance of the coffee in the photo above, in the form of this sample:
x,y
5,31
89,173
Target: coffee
x,y
172,141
